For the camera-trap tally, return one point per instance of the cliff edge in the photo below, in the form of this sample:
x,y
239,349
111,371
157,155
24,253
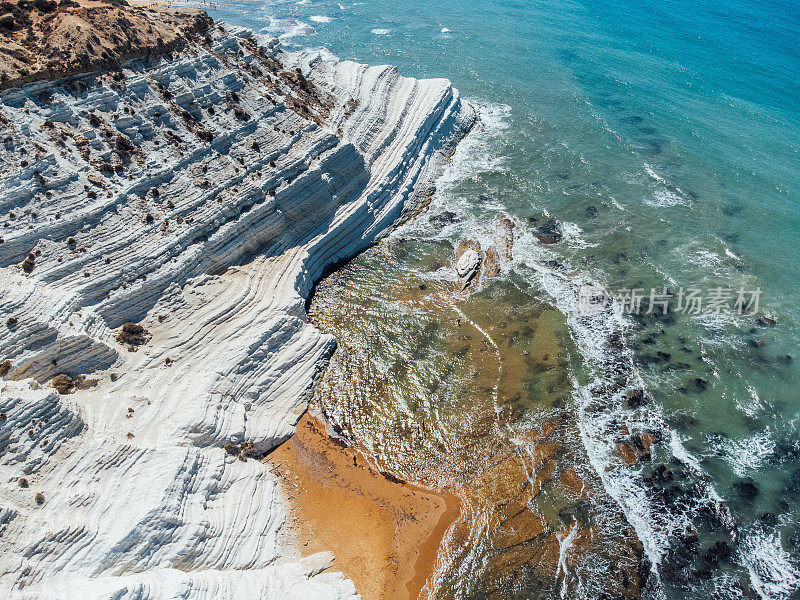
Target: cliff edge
x,y
161,225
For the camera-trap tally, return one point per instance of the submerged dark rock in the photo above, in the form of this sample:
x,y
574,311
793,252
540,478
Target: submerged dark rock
x,y
769,519
662,474
549,232
745,489
444,218
700,384
638,398
719,552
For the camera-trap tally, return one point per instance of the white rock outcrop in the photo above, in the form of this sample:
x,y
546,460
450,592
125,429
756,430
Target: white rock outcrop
x,y
200,196
468,263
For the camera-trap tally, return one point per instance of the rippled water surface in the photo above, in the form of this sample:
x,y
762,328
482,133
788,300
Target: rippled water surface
x,y
664,137
470,393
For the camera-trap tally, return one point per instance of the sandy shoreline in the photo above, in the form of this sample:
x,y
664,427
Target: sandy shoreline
x,y
385,534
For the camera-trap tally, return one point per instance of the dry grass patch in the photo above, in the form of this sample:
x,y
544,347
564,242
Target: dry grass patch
x,y
133,334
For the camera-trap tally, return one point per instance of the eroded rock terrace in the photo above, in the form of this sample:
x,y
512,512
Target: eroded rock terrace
x,y
199,196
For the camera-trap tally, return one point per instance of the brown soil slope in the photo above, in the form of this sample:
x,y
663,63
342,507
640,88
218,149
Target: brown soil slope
x,y
47,39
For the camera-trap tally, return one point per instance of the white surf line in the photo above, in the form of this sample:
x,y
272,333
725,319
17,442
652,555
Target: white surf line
x,y
564,546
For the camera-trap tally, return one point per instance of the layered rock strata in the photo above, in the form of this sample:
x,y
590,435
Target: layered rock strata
x,y
198,196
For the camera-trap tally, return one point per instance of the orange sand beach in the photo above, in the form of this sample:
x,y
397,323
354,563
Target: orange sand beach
x,y
385,534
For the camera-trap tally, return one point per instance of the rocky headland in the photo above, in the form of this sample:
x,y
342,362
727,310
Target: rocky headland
x,y
170,190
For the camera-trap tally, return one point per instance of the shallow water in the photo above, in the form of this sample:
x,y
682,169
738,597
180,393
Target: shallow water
x,y
664,137
468,392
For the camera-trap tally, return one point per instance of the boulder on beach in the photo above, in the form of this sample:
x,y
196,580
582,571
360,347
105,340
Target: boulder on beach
x,y
467,265
504,236
468,261
491,266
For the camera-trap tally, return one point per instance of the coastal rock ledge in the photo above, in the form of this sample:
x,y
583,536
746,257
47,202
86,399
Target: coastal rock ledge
x,y
161,226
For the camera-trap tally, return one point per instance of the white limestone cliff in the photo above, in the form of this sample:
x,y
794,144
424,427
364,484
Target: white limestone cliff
x,y
129,213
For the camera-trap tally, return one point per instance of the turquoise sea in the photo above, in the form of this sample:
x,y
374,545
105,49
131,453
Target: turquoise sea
x,y
665,138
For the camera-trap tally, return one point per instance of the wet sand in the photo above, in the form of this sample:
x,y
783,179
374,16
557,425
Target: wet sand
x,y
385,534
